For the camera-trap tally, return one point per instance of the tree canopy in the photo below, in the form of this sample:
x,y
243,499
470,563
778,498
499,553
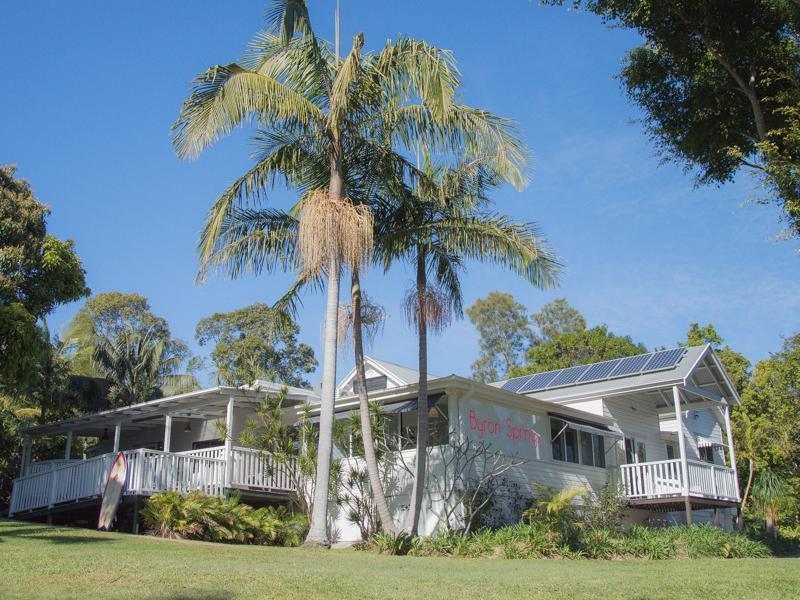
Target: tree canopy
x,y
107,316
736,365
505,333
566,342
255,343
37,273
719,84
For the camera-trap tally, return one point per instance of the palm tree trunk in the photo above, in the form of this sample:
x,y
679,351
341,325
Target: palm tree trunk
x,y
318,530
418,487
751,468
378,496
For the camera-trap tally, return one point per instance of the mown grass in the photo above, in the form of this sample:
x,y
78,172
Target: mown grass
x,y
37,561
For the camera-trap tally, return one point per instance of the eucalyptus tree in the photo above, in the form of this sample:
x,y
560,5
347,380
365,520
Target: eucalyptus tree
x,y
331,129
440,225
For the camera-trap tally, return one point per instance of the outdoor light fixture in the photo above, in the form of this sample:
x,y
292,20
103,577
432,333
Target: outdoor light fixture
x,y
188,428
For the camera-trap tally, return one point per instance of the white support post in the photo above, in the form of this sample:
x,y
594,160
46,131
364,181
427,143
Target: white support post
x,y
167,432
229,443
68,447
117,435
676,396
731,452
26,456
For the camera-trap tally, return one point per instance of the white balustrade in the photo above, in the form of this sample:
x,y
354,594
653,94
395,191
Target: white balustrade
x,y
254,469
663,479
148,472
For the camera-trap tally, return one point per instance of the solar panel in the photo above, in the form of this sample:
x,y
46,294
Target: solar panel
x,y
598,371
608,369
538,382
630,365
513,385
568,376
664,359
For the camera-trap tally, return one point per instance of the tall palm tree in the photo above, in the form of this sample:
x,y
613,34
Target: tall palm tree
x,y
441,224
140,367
332,129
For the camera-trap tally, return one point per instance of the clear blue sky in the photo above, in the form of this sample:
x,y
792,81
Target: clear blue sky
x,y
92,88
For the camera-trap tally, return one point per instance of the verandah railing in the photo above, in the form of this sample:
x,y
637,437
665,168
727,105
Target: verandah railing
x,y
664,479
151,471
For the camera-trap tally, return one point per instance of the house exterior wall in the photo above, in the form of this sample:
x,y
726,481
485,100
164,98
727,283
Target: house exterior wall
x,y
701,425
640,421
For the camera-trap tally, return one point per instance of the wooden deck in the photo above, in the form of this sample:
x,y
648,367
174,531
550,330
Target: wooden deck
x,y
60,483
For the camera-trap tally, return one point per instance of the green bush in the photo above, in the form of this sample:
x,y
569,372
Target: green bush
x,y
199,517
536,540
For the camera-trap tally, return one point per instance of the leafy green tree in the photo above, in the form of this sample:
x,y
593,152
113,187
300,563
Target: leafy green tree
x,y
37,273
140,367
567,343
253,343
736,365
557,318
771,402
108,315
719,85
334,129
505,333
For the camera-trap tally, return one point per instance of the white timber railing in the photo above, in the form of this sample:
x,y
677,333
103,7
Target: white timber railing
x,y
664,479
254,469
45,465
149,472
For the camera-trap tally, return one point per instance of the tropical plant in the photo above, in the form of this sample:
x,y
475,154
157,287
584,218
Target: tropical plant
x,y
200,517
334,130
556,510
439,225
140,367
769,497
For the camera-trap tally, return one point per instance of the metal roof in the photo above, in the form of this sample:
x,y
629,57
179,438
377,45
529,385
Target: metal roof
x,y
210,403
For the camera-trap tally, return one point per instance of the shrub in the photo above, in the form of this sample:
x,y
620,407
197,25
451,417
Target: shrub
x,y
200,517
385,542
605,509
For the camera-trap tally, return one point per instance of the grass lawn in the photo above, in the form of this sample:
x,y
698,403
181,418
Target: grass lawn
x,y
37,561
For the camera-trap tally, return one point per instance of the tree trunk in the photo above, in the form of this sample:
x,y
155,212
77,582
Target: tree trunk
x,y
418,487
751,468
318,529
378,496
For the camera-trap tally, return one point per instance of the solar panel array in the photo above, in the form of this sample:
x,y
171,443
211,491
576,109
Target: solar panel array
x,y
602,371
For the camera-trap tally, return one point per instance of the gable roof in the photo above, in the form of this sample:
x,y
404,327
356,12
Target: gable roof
x,y
397,374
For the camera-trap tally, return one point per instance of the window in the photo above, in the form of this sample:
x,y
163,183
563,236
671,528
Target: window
x,y
635,451
641,452
630,455
373,384
207,444
401,427
573,446
670,451
706,454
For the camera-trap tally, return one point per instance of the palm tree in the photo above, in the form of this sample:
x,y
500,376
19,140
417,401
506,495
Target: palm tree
x,y
140,367
769,494
333,129
441,224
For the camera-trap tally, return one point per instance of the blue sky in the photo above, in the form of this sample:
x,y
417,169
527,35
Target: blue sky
x,y
94,86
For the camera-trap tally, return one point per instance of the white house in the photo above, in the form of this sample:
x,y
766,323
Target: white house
x,y
659,423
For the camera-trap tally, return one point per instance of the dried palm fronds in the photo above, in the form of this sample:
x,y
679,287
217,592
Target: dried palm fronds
x,y
333,226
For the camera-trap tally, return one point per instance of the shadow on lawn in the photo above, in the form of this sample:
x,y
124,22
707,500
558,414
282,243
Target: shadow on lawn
x,y
39,533
196,595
